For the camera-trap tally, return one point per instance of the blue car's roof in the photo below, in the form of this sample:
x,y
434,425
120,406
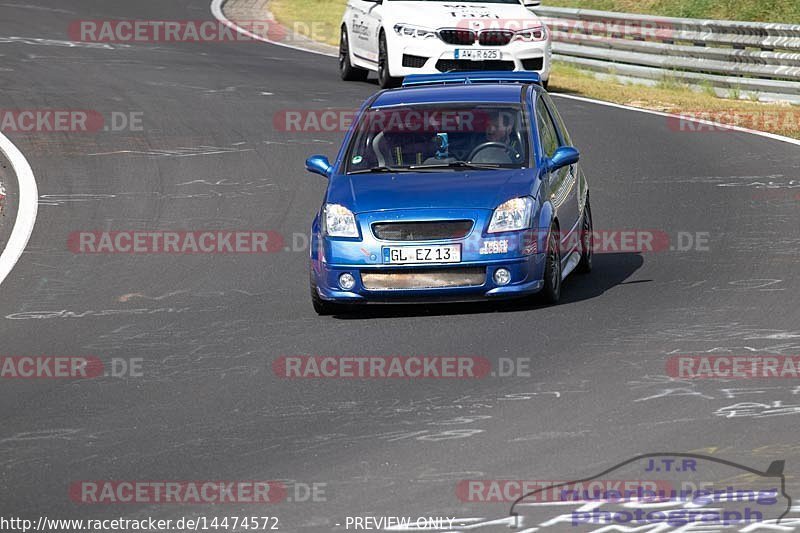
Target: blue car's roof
x,y
506,93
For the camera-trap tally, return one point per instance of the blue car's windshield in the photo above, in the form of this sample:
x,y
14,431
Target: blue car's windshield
x,y
439,136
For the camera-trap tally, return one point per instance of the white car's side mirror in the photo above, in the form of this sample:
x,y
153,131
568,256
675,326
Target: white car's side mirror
x,y
531,3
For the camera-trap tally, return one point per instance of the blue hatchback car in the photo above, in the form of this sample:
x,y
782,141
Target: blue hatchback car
x,y
454,187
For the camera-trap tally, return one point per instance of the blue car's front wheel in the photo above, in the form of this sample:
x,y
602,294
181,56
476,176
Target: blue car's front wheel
x,y
551,290
587,240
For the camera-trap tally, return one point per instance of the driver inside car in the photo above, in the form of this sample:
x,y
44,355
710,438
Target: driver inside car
x,y
500,130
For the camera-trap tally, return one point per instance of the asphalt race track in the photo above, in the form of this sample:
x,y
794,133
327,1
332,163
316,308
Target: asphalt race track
x,y
206,329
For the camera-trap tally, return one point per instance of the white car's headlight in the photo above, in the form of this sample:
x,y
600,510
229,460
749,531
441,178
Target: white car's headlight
x,y
407,30
513,215
339,221
531,35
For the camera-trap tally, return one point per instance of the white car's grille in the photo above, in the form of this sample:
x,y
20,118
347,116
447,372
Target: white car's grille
x,y
495,37
458,36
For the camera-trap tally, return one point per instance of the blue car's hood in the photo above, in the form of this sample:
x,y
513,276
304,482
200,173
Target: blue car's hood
x,y
450,189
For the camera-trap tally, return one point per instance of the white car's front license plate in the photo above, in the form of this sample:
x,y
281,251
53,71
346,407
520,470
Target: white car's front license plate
x,y
408,255
477,54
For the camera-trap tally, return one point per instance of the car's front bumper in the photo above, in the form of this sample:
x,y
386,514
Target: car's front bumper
x,y
482,255
526,279
413,56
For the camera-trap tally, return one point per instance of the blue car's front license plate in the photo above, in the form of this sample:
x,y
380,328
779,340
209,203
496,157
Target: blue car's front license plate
x,y
416,255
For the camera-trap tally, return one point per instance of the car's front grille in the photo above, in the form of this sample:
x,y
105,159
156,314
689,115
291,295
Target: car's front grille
x,y
414,61
429,278
534,63
495,37
457,36
422,231
456,65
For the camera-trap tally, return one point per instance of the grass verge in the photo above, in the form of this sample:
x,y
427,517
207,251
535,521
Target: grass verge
x,y
317,19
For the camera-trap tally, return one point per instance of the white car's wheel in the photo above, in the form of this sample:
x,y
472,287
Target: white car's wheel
x,y
385,80
346,69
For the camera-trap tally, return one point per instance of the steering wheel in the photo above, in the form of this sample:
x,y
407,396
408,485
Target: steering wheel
x,y
488,144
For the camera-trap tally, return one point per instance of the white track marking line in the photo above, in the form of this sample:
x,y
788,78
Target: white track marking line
x,y
26,210
216,10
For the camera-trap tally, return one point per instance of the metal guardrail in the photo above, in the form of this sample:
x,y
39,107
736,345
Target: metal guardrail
x,y
748,58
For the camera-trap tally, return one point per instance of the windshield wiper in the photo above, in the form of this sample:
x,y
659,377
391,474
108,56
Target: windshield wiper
x,y
415,168
458,164
380,169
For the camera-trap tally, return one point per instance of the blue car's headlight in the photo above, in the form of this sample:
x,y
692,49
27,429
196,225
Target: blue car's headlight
x,y
513,215
339,221
407,30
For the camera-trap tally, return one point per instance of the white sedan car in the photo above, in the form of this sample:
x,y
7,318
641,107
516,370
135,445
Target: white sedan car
x,y
396,38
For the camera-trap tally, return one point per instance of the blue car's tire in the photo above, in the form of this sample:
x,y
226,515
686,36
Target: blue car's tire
x,y
551,290
587,241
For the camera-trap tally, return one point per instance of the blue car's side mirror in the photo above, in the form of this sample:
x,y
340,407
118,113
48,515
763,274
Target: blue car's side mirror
x,y
565,155
319,164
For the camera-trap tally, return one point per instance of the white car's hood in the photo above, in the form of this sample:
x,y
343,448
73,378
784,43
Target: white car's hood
x,y
434,14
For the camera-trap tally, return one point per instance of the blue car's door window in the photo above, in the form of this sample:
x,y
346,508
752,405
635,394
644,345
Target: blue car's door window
x,y
547,131
566,140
